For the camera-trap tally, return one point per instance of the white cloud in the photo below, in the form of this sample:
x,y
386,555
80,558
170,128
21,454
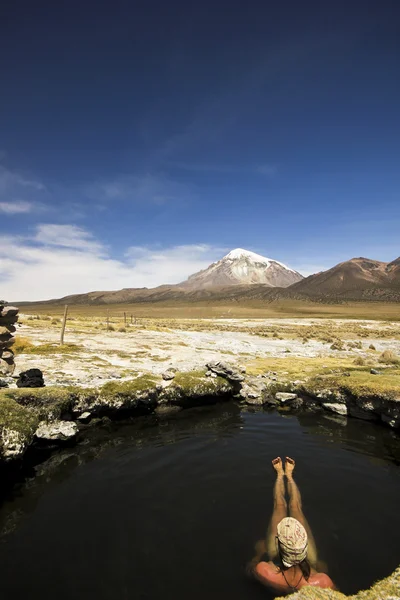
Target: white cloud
x,y
16,207
63,260
68,236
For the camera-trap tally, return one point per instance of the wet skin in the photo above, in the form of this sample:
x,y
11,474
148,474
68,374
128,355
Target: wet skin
x,y
266,571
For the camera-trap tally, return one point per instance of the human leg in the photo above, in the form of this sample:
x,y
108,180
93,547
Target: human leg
x,y
279,509
296,510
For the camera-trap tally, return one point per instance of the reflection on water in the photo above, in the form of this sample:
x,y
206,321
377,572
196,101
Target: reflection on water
x,y
174,510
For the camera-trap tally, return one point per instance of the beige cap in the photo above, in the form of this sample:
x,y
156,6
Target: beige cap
x,y
293,542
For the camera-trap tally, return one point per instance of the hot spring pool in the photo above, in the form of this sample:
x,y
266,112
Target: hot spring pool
x,y
173,511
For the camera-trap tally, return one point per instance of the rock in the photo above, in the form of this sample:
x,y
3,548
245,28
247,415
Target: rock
x,y
85,417
9,311
115,376
253,391
208,373
374,372
225,370
17,427
285,397
7,367
169,374
214,375
391,421
32,378
61,431
340,409
4,329
3,383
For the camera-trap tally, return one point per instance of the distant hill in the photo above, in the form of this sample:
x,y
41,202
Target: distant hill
x,y
358,278
243,277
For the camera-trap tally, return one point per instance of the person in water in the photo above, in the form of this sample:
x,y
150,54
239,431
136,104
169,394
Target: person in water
x,y
287,560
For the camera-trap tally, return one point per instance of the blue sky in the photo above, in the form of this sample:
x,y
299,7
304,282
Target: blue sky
x,y
140,141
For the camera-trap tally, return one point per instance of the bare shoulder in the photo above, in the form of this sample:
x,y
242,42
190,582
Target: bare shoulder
x,y
321,580
265,571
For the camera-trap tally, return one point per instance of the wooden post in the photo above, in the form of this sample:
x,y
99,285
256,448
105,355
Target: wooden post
x,y
131,319
108,320
63,325
124,318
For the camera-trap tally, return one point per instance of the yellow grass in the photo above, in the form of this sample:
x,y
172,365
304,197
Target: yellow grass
x,y
252,309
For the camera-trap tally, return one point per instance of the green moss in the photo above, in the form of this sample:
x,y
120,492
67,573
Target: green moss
x,y
49,402
24,346
16,418
362,384
382,590
121,389
195,383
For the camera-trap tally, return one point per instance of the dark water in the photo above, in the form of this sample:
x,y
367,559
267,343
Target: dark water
x,y
173,511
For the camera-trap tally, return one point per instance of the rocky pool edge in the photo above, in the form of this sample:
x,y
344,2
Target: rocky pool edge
x,y
56,415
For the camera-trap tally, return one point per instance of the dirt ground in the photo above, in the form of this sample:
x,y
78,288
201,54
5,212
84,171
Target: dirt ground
x,y
93,355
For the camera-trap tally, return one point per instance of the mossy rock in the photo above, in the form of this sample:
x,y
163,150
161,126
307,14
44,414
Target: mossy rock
x,y
187,387
17,428
388,588
139,393
47,403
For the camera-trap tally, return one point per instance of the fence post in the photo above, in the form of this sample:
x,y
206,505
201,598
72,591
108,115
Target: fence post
x,y
108,320
63,325
124,318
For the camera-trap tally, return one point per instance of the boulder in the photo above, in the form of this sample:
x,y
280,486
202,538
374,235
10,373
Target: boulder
x,y
17,428
32,378
285,397
225,370
7,329
85,417
60,431
168,374
9,311
253,391
7,365
374,372
340,409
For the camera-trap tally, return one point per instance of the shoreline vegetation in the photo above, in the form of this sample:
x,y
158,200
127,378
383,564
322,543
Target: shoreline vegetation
x,y
346,367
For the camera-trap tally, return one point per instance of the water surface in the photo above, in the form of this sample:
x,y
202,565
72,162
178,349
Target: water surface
x,y
174,510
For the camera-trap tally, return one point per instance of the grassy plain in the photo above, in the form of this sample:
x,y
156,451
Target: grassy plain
x,y
203,310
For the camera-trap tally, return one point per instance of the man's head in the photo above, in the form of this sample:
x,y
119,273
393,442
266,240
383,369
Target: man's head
x,y
292,541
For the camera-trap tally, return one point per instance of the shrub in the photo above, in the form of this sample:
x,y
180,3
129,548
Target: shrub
x,y
122,329
337,345
389,357
22,345
111,328
359,361
55,321
371,347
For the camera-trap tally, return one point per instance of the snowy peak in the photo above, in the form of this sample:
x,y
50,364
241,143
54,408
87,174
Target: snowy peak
x,y
244,267
239,254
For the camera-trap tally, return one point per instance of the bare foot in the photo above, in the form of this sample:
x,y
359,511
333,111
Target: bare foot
x,y
277,464
289,466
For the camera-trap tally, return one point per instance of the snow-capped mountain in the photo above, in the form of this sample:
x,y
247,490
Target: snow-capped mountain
x,y
243,267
